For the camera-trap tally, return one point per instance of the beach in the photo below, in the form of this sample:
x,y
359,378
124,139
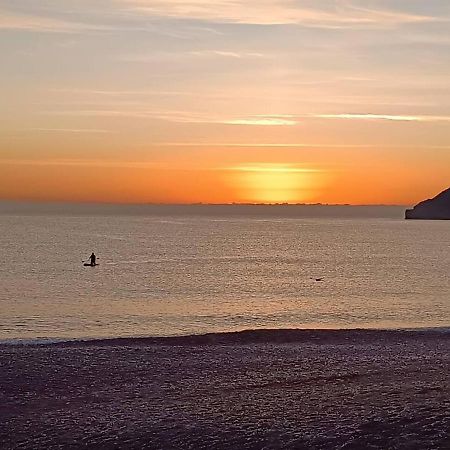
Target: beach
x,y
272,389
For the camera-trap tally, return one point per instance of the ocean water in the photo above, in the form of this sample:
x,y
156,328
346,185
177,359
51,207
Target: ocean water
x,y
168,272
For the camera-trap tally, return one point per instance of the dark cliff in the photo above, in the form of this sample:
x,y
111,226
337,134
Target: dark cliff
x,y
437,208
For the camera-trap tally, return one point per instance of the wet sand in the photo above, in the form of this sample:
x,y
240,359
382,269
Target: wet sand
x,y
283,389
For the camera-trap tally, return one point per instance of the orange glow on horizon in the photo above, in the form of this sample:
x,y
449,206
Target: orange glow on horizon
x,y
276,183
219,181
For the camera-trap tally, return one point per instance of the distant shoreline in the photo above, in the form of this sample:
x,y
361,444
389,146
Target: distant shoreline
x,y
256,210
119,204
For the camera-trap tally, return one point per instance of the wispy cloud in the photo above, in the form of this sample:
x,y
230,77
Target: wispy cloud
x,y
79,163
339,14
181,117
227,54
183,55
122,92
292,119
71,130
261,144
15,21
268,120
133,15
294,145
388,117
169,116
260,122
100,21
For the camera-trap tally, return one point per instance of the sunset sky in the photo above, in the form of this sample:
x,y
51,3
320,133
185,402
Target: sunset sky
x,y
182,101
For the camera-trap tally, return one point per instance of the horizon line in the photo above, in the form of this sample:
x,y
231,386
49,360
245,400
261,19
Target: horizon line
x,y
125,204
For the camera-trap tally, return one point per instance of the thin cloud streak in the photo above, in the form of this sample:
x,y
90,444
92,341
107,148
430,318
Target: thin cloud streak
x,y
116,21
13,21
169,116
293,145
180,117
275,12
268,120
183,55
388,117
133,15
216,94
262,145
227,54
260,122
71,130
121,93
79,163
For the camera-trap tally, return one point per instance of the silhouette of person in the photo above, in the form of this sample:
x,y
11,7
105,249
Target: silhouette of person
x,y
92,258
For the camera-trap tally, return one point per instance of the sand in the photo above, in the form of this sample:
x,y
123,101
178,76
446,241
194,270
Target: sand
x,y
252,390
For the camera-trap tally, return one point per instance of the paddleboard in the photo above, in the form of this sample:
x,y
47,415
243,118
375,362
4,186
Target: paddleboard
x,y
89,265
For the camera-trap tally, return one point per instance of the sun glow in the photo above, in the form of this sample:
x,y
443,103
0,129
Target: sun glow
x,y
277,183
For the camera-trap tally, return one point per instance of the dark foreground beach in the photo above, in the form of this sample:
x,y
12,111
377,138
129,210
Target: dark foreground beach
x,y
250,390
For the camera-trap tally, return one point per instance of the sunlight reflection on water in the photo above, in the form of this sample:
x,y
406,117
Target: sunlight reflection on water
x,y
167,276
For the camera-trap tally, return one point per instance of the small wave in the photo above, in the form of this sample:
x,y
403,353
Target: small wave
x,y
35,341
247,337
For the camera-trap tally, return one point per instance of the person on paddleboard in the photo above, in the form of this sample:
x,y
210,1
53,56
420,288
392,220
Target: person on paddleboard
x,y
92,259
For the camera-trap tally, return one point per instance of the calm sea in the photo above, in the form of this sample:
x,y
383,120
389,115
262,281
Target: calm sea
x,y
188,270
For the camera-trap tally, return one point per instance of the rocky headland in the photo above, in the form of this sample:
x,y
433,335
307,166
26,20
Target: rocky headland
x,y
437,208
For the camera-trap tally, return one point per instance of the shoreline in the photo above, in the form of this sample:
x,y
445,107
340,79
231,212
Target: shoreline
x,y
247,336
